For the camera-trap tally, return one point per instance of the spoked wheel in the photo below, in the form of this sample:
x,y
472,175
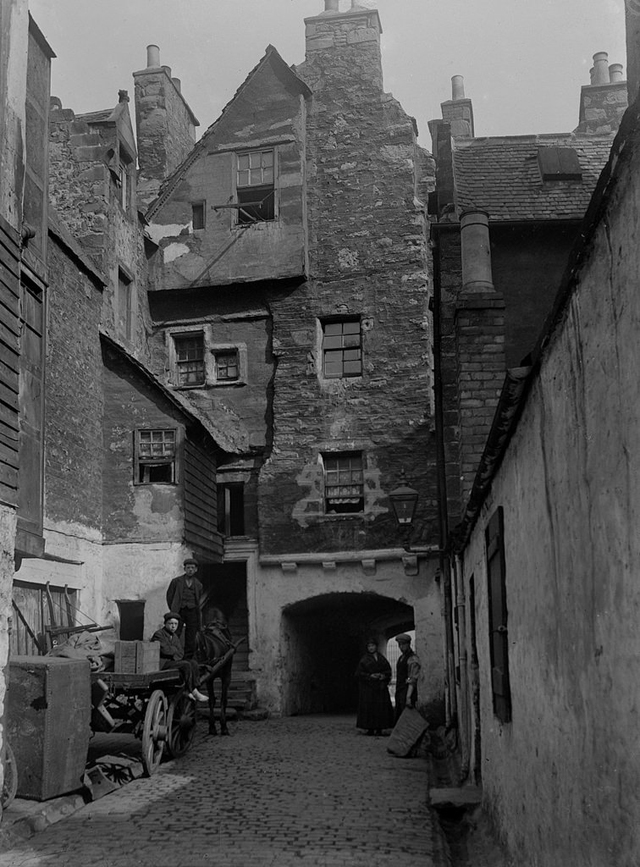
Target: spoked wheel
x,y
181,723
154,733
10,784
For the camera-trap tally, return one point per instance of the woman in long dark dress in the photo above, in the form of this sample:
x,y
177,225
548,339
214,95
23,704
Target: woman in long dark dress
x,y
374,704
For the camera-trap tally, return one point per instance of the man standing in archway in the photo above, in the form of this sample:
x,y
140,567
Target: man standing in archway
x,y
184,596
407,671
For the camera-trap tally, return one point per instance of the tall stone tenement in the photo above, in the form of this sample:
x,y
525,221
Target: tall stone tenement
x,y
165,125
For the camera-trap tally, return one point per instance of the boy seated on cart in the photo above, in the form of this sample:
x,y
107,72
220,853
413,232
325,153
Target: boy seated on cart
x,y
172,655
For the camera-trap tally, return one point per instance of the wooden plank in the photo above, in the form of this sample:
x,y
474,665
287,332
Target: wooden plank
x,y
8,475
10,333
9,416
9,301
8,455
10,357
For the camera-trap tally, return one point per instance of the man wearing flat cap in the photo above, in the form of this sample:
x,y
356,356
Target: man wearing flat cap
x,y
172,655
184,596
407,672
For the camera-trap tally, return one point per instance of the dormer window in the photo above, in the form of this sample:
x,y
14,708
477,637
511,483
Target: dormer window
x,y
255,186
559,164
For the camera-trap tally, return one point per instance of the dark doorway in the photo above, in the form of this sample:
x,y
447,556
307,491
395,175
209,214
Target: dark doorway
x,y
323,639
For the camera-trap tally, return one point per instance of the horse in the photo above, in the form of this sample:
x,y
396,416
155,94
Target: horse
x,y
214,653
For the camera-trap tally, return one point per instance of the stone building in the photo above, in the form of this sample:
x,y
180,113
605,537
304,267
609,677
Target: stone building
x,y
292,296
536,306
506,213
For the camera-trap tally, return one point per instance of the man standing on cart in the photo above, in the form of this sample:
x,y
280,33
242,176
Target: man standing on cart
x,y
184,597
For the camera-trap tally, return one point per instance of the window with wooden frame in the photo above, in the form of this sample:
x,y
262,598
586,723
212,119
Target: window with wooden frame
x,y
189,359
155,456
255,186
498,627
343,482
227,365
198,211
341,348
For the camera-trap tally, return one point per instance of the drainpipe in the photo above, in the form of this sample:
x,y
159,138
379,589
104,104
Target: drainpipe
x,y
443,511
465,722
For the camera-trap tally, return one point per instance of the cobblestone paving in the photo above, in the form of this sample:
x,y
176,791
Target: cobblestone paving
x,y
294,792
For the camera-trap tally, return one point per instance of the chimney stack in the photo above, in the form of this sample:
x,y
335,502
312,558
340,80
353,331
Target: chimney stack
x,y
603,101
165,125
601,68
153,57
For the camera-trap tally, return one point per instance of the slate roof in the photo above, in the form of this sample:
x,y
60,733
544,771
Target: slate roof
x,y
502,176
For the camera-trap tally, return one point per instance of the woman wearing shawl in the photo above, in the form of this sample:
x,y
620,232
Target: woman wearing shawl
x,y
374,704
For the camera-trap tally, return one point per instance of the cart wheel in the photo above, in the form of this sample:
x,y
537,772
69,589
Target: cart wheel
x,y
154,733
10,785
181,723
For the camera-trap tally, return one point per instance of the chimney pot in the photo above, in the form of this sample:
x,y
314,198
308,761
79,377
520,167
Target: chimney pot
x,y
457,87
178,84
615,72
592,74
331,5
601,68
153,56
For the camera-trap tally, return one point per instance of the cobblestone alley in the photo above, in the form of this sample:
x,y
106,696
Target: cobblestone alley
x,y
294,791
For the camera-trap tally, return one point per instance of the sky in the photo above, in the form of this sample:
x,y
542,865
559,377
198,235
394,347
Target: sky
x,y
523,61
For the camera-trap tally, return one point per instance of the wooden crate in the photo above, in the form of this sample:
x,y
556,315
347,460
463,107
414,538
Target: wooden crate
x,y
136,657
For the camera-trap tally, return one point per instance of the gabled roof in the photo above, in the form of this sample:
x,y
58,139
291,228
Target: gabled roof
x,y
232,439
281,69
502,176
119,116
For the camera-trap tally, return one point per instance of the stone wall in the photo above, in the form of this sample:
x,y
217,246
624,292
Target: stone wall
x,y
367,258
73,431
560,779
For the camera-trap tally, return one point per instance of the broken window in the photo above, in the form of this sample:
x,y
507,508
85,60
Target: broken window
x,y
227,365
189,359
343,482
197,215
255,186
341,349
155,456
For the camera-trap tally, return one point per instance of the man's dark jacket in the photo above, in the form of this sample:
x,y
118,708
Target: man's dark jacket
x,y
175,591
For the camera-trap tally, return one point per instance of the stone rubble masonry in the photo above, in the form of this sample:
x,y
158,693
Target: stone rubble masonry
x,y
602,107
366,189
73,458
165,127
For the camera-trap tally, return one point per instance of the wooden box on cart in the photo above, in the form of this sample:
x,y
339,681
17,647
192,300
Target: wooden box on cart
x,y
136,657
49,718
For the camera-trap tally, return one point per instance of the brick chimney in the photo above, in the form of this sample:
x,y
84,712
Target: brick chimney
x,y
603,101
343,50
456,122
165,125
633,48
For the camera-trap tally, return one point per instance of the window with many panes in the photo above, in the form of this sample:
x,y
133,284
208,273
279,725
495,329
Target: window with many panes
x,y
343,482
341,349
189,359
155,456
227,365
255,186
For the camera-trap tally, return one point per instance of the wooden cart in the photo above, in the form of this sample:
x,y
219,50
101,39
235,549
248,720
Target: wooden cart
x,y
154,707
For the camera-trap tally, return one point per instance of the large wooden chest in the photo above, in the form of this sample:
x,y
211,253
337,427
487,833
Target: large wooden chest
x,y
48,720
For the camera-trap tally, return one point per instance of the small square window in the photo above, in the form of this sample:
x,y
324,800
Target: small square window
x,y
343,483
155,456
341,349
227,365
189,359
198,215
255,186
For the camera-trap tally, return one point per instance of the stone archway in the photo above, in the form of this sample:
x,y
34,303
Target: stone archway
x,y
322,640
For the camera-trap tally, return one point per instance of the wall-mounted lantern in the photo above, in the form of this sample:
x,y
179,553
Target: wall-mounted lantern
x,y
404,500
